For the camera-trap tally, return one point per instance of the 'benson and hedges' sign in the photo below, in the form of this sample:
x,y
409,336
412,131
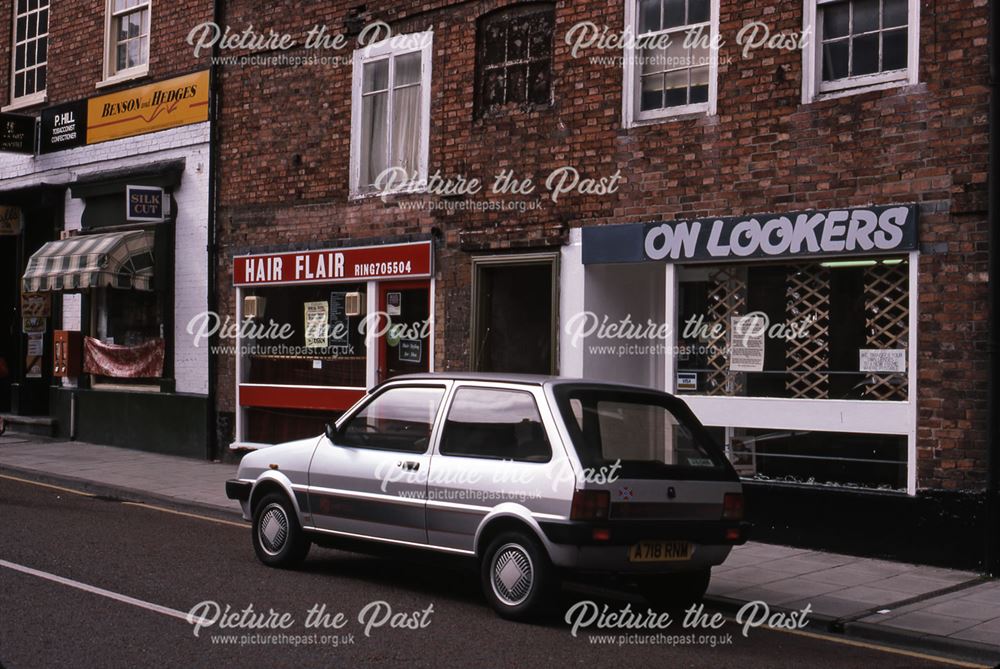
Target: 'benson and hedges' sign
x,y
831,232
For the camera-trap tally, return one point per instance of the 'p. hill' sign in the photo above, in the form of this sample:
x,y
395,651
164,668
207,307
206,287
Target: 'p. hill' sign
x,y
146,203
830,232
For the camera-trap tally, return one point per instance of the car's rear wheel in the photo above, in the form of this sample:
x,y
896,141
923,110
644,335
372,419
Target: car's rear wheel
x,y
278,538
677,590
517,578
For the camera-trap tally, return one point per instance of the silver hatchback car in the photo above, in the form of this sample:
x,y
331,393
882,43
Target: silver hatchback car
x,y
533,476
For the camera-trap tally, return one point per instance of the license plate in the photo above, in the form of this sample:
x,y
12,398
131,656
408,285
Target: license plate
x,y
659,551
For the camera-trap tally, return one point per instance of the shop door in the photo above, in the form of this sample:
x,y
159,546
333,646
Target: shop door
x,y
404,342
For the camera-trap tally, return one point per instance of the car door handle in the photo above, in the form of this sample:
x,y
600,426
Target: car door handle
x,y
408,466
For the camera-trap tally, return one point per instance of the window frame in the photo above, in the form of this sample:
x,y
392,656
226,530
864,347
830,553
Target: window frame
x,y
632,116
813,86
422,43
507,13
111,74
39,96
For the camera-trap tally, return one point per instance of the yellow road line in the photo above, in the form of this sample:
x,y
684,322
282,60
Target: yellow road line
x,y
47,485
188,515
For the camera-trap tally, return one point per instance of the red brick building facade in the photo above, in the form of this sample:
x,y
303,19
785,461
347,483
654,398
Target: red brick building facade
x,y
767,133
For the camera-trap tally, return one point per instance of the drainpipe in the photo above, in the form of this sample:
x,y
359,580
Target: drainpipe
x,y
993,218
212,447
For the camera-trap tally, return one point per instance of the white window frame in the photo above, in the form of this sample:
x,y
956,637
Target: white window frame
x,y
813,86
111,75
631,114
38,96
397,45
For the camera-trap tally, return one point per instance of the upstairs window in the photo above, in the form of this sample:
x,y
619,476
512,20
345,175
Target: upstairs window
x,y
31,41
670,69
514,57
127,38
859,44
390,114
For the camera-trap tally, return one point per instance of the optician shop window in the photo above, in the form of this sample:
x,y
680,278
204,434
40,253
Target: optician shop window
x,y
816,330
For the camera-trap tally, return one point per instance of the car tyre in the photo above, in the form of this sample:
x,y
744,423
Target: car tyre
x,y
677,590
518,579
278,539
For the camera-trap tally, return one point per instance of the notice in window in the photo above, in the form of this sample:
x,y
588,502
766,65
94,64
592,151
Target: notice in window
x,y
746,344
882,359
317,324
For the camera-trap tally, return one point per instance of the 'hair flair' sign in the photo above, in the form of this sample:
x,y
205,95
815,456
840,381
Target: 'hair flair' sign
x,y
351,263
816,233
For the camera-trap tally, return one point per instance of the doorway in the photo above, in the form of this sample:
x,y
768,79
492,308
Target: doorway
x,y
405,341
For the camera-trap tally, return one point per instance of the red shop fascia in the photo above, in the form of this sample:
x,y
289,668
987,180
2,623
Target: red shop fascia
x,y
320,327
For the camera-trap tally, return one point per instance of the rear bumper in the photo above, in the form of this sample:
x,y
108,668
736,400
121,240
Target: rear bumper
x,y
573,546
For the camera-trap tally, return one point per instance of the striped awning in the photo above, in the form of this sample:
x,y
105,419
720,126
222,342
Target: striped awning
x,y
118,260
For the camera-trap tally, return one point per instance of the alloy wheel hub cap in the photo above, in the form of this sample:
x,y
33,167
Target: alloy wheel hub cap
x,y
512,574
273,529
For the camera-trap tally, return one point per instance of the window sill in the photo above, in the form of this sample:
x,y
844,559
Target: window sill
x,y
361,196
25,102
861,88
127,387
122,77
687,113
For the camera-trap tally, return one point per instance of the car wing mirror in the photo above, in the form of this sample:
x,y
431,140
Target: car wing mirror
x,y
331,432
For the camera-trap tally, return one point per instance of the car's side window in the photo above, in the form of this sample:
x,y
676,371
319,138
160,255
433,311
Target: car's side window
x,y
495,424
399,419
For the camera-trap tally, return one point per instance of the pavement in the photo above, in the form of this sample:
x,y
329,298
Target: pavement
x,y
931,609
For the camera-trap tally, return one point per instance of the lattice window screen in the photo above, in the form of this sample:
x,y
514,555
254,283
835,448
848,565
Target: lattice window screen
x,y
807,359
727,297
887,324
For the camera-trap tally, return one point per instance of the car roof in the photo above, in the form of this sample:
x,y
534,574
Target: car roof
x,y
523,379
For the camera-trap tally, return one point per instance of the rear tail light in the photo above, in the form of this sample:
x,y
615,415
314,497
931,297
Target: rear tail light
x,y
590,505
732,506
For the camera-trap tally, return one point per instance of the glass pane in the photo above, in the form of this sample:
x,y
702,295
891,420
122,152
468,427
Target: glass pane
x,y
540,36
32,25
29,82
697,11
835,55
40,78
517,83
399,419
22,6
894,13
122,31
144,27
119,5
406,129
493,88
701,55
894,51
517,40
677,55
836,20
865,16
144,50
19,85
495,43
43,22
495,424
43,51
539,83
134,53
652,92
22,28
375,76
120,58
134,24
19,56
676,88
407,69
653,60
649,16
673,13
32,4
373,137
864,60
29,54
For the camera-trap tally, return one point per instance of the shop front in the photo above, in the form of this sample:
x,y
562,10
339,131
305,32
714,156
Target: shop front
x,y
792,334
315,329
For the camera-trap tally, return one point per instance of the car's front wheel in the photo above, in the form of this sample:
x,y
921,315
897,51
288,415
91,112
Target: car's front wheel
x,y
517,578
278,538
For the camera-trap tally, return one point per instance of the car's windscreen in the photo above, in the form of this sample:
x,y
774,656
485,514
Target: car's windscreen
x,y
637,429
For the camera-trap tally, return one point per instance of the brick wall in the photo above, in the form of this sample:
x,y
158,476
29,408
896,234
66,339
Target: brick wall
x,y
76,47
285,148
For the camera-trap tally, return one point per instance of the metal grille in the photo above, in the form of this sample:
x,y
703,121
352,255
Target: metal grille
x,y
887,324
807,359
727,297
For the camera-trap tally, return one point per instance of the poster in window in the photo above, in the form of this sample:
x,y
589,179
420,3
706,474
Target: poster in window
x,y
317,317
743,455
746,350
882,359
34,325
36,305
410,350
394,303
340,325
